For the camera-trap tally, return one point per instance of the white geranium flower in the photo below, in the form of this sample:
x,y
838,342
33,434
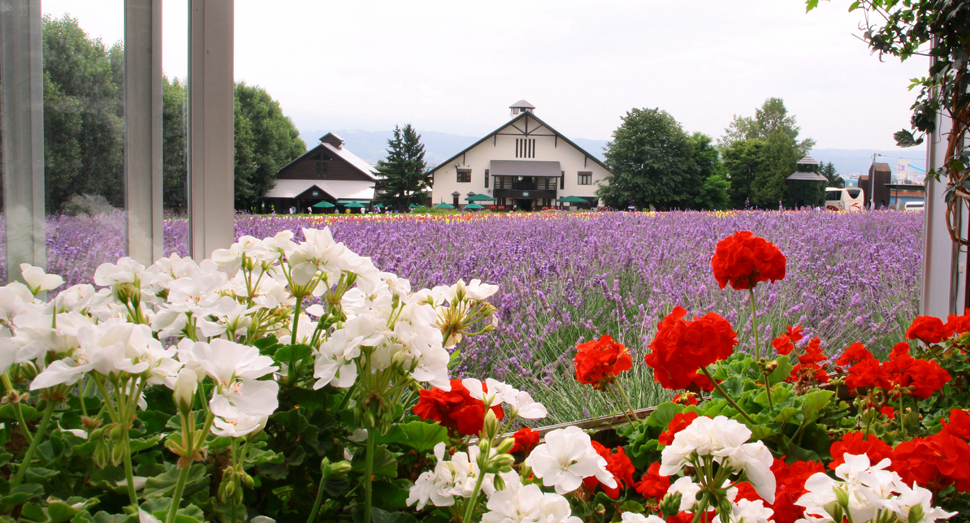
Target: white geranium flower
x,y
632,517
449,479
566,457
524,406
226,361
755,459
38,280
745,511
335,362
688,491
238,427
910,498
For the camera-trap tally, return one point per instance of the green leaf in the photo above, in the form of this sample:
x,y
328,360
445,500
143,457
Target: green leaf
x,y
104,517
59,512
293,353
663,415
781,372
20,494
418,435
905,138
385,464
267,346
380,516
40,474
308,398
30,413
815,403
164,484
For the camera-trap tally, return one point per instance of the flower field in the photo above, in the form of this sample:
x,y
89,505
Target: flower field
x,y
565,279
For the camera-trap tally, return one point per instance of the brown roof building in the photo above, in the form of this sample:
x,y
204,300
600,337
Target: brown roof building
x,y
883,177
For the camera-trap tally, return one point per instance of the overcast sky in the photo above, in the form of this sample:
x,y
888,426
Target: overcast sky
x,y
455,67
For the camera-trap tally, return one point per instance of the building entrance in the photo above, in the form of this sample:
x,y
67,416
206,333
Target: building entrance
x,y
524,205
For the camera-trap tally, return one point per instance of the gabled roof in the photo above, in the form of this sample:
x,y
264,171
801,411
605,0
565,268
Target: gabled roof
x,y
522,104
512,121
337,189
344,154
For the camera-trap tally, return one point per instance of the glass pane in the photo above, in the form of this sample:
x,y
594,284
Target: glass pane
x,y
175,24
83,136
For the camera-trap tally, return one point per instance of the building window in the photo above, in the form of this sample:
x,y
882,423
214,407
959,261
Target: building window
x,y
464,175
321,170
525,147
486,178
562,179
585,178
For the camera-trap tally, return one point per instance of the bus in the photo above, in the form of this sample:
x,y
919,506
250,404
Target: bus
x,y
845,199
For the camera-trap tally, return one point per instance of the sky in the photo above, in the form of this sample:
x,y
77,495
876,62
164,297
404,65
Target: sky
x,y
456,67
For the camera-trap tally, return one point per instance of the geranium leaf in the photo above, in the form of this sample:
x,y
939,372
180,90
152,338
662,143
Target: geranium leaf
x,y
663,415
59,512
815,403
30,413
292,353
20,494
418,435
781,372
163,484
33,512
385,464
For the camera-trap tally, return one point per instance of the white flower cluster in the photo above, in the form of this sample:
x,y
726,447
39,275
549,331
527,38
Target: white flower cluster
x,y
566,458
866,492
179,320
449,479
520,402
725,441
526,504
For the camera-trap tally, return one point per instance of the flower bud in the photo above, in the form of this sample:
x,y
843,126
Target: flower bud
x,y
916,513
498,482
117,454
505,446
248,480
101,455
491,425
185,386
670,504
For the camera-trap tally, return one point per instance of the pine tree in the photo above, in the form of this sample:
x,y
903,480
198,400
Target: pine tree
x,y
403,179
828,171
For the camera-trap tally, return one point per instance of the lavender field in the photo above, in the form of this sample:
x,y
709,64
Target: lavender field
x,y
569,278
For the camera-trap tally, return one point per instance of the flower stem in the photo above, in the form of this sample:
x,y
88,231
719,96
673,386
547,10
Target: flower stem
x,y
472,501
16,409
177,496
727,396
631,416
757,346
129,473
369,473
319,500
22,471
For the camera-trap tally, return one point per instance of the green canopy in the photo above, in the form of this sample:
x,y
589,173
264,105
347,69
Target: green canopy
x,y
471,206
379,206
414,205
572,199
323,205
480,198
443,205
355,205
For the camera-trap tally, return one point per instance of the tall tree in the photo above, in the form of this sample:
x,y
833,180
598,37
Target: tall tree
x,y
173,145
715,191
770,116
651,158
828,170
769,185
83,115
403,170
743,160
265,141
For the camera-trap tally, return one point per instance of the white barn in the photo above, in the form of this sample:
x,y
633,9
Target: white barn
x,y
525,164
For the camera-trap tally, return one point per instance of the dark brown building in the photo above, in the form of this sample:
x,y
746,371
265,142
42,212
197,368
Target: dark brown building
x,y
328,172
883,177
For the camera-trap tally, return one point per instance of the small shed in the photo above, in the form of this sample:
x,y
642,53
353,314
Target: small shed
x,y
806,188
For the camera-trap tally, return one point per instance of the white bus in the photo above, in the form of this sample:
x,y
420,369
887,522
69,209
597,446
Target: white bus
x,y
847,199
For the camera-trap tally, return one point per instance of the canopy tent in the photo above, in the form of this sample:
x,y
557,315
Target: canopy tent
x,y
378,205
480,198
323,205
443,205
354,205
473,206
414,206
572,199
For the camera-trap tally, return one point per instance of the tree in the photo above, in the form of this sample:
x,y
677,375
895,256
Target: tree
x,y
779,157
715,192
403,179
770,116
651,158
743,160
907,28
83,115
828,170
265,141
174,173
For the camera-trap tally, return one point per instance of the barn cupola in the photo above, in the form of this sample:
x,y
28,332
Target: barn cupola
x,y
521,106
333,140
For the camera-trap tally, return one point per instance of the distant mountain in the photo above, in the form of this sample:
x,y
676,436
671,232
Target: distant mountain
x,y
371,146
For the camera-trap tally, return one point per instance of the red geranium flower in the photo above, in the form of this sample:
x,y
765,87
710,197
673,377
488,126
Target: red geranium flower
x,y
867,373
680,422
457,410
934,462
959,424
687,398
888,412
680,348
854,354
855,443
920,378
617,464
956,325
599,362
653,485
744,259
928,329
785,343
526,439
808,368
790,485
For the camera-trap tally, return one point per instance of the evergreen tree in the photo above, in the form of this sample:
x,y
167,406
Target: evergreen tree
x,y
715,191
743,160
769,185
828,170
173,146
403,180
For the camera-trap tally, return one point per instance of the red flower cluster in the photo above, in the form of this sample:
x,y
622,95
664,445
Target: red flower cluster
x,y
599,362
856,443
687,398
457,410
526,439
617,464
934,462
790,485
808,369
682,347
653,485
785,343
744,259
928,329
902,374
957,324
680,422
